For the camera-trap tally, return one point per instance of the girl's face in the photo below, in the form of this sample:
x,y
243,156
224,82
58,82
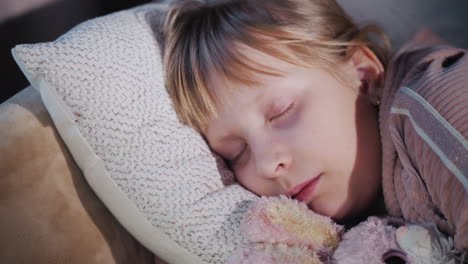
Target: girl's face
x,y
304,134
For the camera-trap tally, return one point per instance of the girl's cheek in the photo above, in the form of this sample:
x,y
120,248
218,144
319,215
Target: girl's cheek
x,y
243,160
245,177
241,168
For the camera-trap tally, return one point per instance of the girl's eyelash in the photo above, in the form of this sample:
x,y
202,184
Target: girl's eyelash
x,y
285,112
279,116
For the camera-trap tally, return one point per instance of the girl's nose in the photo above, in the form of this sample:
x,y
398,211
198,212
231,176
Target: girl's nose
x,y
272,160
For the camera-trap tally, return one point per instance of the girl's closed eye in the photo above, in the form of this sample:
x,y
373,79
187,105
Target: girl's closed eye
x,y
279,116
284,113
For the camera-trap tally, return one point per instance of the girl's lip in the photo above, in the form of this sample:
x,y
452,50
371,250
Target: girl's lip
x,y
303,191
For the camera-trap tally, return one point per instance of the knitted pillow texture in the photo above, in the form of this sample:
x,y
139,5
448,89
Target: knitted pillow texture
x,y
102,83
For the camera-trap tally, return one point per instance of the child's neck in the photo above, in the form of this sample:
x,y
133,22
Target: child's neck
x,y
376,209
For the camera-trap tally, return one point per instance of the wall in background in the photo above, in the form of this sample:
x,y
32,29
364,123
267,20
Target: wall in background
x,y
402,18
13,8
35,21
32,21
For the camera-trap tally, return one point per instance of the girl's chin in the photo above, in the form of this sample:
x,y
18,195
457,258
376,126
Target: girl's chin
x,y
333,213
339,215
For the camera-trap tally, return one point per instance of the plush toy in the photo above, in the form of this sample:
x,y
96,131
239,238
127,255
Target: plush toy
x,y
283,231
426,244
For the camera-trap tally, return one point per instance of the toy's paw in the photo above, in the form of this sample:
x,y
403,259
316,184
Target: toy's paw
x,y
426,244
274,254
415,240
284,220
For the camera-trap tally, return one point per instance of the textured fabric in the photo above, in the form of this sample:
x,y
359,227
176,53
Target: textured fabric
x,y
107,74
282,230
366,242
424,129
48,213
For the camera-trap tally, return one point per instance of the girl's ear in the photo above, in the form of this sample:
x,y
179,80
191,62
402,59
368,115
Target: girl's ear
x,y
369,72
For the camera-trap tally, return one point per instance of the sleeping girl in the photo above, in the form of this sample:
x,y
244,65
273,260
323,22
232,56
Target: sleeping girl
x,y
302,102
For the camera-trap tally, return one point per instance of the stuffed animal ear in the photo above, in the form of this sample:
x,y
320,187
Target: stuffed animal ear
x,y
284,220
283,231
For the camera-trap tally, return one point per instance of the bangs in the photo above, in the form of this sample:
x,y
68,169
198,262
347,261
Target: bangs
x,y
212,41
213,46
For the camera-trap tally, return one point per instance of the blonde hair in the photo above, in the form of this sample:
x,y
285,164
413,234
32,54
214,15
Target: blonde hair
x,y
203,39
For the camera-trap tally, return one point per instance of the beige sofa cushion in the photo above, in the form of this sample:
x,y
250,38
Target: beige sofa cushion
x,y
48,213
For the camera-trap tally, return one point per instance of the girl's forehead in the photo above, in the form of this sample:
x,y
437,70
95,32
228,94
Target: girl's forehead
x,y
229,95
234,100
268,70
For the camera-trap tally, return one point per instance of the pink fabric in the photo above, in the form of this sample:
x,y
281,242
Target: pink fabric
x,y
418,183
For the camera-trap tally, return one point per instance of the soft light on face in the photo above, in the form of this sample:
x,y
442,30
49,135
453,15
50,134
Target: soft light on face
x,y
304,134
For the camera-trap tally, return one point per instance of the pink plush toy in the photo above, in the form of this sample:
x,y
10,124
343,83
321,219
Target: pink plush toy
x,y
283,231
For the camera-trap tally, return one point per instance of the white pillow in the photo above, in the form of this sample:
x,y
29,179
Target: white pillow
x,y
102,83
